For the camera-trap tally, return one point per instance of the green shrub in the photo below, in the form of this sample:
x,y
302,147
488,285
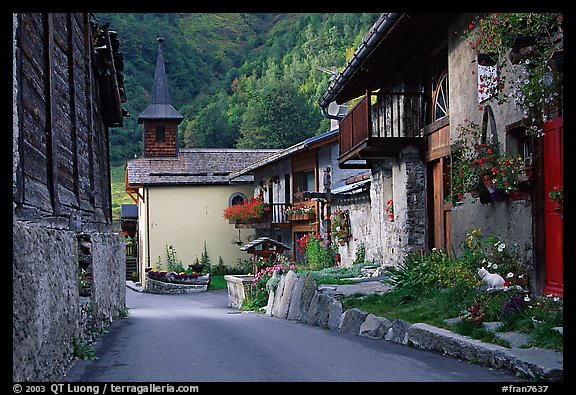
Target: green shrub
x,y
319,257
422,270
338,272
83,351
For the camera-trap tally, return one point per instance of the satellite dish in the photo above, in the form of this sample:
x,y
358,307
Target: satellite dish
x,y
338,110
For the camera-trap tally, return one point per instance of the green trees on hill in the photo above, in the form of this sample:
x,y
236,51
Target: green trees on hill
x,y
239,80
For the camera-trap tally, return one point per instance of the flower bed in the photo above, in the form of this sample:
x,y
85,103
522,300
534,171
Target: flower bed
x,y
162,281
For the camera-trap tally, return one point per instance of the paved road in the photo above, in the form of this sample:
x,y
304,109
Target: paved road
x,y
197,338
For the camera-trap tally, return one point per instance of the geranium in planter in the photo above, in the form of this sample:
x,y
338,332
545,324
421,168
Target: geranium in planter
x,y
479,167
340,226
246,212
300,211
390,210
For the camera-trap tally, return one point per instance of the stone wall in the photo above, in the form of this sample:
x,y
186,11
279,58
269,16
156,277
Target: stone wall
x,y
163,287
402,180
358,206
49,315
297,298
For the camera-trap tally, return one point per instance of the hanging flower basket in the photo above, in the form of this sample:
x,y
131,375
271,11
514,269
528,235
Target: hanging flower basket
x,y
340,226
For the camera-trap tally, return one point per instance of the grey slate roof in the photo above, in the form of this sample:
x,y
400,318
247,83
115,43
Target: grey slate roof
x,y
194,166
281,154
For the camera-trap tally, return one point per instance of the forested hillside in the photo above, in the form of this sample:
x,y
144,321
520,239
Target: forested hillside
x,y
240,80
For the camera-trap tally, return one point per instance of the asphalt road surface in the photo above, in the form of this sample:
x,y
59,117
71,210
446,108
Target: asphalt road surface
x,y
197,338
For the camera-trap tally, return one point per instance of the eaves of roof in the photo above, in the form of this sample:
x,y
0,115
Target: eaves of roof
x,y
312,141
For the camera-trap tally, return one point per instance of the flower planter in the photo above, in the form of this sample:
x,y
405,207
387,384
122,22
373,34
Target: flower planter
x,y
559,210
485,197
527,174
239,289
301,217
557,61
391,217
498,195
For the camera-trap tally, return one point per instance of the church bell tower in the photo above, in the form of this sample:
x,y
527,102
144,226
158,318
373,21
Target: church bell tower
x,y
160,120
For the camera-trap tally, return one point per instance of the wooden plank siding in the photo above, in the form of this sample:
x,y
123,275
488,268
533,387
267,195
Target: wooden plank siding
x,y
63,142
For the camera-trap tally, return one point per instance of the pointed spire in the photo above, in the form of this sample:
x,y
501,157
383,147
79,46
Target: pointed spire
x,y
160,93
160,107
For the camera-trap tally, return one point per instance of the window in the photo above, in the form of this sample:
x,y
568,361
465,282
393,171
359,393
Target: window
x,y
160,134
237,198
441,103
304,181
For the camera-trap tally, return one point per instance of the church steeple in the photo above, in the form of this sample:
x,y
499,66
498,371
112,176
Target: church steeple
x,y
160,120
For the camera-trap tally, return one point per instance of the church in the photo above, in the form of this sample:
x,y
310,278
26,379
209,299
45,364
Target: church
x,y
181,193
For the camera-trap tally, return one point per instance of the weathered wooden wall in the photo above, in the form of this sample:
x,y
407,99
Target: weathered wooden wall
x,y
62,179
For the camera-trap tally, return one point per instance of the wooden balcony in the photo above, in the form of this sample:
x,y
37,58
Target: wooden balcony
x,y
379,126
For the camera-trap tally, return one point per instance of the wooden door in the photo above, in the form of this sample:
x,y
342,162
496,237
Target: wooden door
x,y
438,169
441,211
553,217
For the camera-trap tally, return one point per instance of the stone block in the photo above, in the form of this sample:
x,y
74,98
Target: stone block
x,y
375,327
285,300
334,314
278,296
308,292
398,332
351,321
294,308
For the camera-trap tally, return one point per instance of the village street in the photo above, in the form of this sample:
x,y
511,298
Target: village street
x,y
197,338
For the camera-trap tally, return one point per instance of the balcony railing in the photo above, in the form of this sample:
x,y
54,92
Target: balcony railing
x,y
379,126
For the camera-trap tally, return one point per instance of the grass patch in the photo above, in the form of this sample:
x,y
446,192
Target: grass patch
x,y
118,190
217,282
436,305
433,307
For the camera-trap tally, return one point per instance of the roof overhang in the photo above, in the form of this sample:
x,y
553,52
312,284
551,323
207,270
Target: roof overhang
x,y
392,43
318,141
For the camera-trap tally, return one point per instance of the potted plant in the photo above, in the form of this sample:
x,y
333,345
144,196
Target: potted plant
x,y
299,212
474,314
250,211
479,167
340,226
557,196
532,41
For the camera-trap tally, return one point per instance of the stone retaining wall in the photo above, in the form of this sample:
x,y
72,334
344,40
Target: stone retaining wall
x,y
238,289
297,298
163,287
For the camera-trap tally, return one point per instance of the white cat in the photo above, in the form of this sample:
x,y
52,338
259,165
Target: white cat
x,y
493,280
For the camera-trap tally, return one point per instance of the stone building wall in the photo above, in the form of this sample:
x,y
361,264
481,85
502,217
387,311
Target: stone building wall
x,y
61,193
402,180
358,207
49,315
